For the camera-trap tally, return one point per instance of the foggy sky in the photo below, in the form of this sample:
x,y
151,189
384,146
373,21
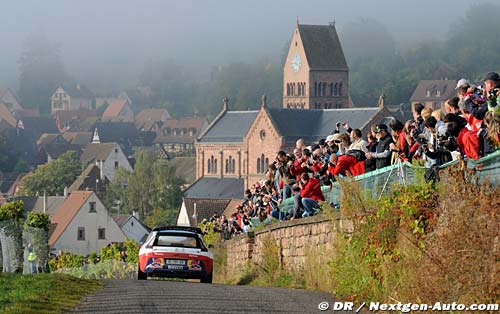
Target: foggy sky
x,y
113,38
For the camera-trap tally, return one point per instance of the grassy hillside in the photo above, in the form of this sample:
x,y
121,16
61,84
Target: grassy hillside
x,y
42,293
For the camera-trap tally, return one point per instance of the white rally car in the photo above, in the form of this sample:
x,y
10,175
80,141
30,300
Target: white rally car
x,y
175,252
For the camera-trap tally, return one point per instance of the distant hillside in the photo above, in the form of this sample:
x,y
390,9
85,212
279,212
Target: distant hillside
x,y
185,168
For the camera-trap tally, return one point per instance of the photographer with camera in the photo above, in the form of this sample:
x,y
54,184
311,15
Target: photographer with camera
x,y
492,91
437,150
382,154
471,99
399,136
467,140
283,163
417,117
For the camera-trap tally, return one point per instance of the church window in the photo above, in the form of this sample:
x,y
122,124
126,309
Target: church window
x,y
315,89
262,164
340,89
258,165
335,89
215,166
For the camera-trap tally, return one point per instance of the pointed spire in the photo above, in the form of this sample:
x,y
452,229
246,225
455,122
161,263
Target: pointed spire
x,y
95,137
263,104
297,21
225,100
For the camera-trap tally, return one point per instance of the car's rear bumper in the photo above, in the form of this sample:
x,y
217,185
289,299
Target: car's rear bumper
x,y
184,274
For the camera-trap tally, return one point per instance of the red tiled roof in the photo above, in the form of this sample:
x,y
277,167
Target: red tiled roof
x,y
148,117
65,214
114,108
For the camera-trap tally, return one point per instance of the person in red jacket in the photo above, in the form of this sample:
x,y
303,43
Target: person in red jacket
x,y
467,140
344,164
310,191
296,168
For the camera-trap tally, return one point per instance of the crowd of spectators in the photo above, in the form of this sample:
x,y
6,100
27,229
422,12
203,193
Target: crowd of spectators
x,y
468,126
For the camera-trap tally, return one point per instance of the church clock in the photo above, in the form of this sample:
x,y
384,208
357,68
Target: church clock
x,y
296,63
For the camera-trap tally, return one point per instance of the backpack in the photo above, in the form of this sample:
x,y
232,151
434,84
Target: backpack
x,y
357,153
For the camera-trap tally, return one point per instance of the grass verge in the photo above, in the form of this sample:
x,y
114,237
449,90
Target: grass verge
x,y
42,293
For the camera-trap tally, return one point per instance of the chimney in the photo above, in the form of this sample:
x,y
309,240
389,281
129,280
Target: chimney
x,y
101,170
44,202
65,191
263,104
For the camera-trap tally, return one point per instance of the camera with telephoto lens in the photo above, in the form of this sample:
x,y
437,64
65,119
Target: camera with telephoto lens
x,y
447,141
493,93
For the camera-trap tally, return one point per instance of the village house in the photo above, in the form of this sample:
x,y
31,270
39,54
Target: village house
x,y
71,97
10,99
108,157
81,120
118,110
91,179
207,196
132,227
7,119
83,225
151,119
433,93
123,133
177,136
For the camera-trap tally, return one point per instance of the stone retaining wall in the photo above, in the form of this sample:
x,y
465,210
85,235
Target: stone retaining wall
x,y
293,238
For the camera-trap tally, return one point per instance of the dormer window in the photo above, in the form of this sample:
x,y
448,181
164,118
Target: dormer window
x,y
438,93
428,93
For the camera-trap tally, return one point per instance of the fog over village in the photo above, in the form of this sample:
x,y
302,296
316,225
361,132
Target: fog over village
x,y
346,152
106,45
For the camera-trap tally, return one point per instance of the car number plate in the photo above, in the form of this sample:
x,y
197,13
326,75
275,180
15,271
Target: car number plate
x,y
175,267
175,262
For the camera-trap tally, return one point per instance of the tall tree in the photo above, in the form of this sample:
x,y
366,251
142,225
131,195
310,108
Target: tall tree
x,y
152,189
41,71
52,177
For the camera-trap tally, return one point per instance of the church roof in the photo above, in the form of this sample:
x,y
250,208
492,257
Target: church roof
x,y
231,127
434,90
215,188
322,47
313,125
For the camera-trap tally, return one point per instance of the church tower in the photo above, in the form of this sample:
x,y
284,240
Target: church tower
x,y
315,75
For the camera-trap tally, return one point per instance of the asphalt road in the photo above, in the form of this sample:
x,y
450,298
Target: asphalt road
x,y
154,296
